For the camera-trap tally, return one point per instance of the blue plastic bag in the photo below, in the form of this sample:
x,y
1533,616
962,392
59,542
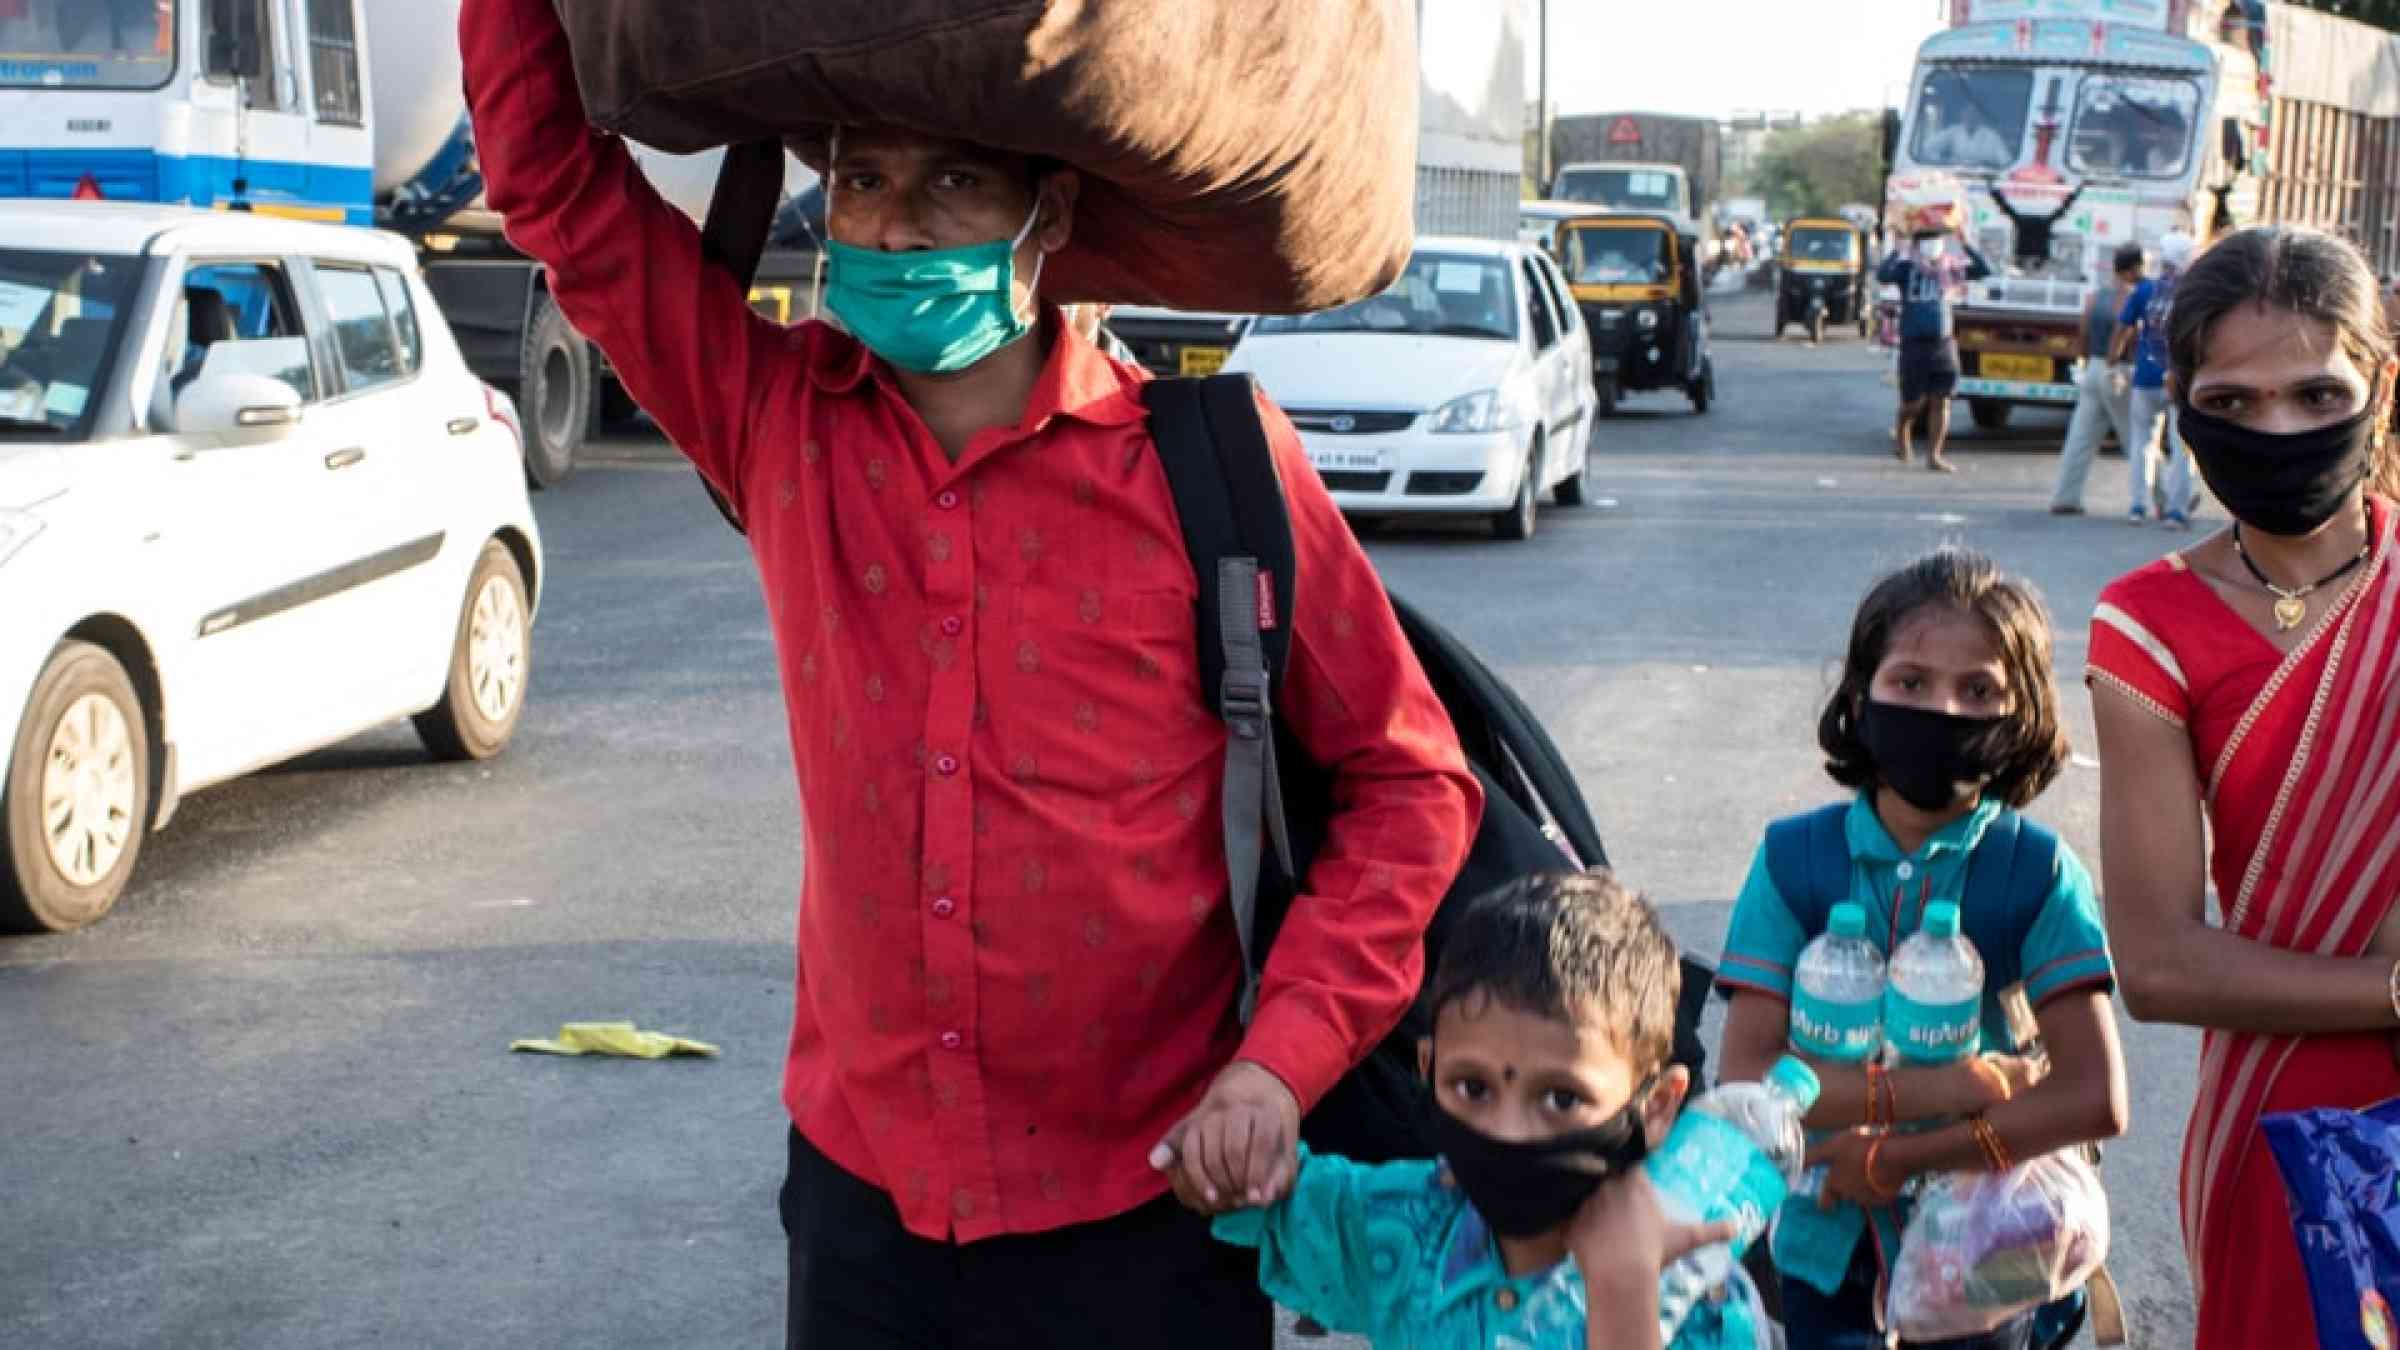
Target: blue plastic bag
x,y
2341,1170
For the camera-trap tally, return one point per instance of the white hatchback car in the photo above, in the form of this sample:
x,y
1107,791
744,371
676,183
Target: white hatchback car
x,y
251,502
1465,388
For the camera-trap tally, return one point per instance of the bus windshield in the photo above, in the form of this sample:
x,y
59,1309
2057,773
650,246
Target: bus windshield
x,y
86,44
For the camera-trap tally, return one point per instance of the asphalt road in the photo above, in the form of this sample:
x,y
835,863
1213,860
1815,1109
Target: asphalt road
x,y
268,1102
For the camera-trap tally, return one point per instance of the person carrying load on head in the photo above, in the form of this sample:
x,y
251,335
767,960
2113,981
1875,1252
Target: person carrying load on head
x,y
1015,1026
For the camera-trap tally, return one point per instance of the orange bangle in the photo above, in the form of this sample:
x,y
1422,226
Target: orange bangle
x,y
1987,1136
1874,1150
1875,1077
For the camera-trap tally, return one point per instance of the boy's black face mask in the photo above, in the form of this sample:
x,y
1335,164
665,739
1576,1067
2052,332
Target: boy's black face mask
x,y
1526,1189
1924,755
2287,483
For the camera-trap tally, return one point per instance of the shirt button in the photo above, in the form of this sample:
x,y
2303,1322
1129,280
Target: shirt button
x,y
948,501
1905,870
951,1040
945,765
953,626
1507,1299
944,907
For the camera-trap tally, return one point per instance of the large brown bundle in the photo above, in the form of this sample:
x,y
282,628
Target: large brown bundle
x,y
1244,155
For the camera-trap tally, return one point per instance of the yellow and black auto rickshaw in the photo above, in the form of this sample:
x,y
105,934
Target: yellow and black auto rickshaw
x,y
1636,277
1821,277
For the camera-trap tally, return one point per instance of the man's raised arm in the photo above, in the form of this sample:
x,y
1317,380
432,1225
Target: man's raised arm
x,y
624,265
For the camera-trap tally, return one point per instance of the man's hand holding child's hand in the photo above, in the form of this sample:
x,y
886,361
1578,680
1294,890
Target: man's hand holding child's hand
x,y
1238,1149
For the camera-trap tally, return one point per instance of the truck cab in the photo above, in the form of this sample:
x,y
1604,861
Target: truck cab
x,y
1625,185
2078,128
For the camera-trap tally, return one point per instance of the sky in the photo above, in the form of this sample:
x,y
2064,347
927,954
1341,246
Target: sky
x,y
1716,56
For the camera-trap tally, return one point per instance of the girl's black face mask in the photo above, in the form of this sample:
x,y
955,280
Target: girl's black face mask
x,y
2287,483
1526,1189
1925,755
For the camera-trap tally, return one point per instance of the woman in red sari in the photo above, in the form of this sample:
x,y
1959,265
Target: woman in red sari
x,y
2247,691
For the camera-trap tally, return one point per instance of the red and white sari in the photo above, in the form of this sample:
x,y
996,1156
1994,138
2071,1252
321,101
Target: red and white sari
x,y
2299,759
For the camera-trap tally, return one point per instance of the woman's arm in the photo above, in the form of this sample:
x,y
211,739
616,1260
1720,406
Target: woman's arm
x,y
2172,965
1757,1028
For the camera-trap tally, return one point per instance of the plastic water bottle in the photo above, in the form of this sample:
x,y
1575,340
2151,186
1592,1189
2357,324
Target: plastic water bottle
x,y
1933,1005
1733,1155
1837,994
1837,1017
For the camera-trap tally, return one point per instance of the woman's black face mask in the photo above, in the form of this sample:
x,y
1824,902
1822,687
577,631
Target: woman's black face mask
x,y
2287,483
1526,1189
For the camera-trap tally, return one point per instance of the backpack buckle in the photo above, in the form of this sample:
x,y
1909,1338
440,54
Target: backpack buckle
x,y
1242,702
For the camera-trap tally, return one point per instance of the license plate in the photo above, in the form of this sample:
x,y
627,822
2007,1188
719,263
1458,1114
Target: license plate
x,y
2033,368
1198,361
1353,460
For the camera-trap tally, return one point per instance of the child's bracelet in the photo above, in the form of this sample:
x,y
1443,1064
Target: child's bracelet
x,y
1994,1151
1878,1082
1874,1151
2392,986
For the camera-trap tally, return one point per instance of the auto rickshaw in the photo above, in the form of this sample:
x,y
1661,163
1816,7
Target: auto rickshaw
x,y
1821,277
1636,277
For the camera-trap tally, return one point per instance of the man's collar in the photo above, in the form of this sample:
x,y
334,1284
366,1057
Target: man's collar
x,y
1867,837
1076,381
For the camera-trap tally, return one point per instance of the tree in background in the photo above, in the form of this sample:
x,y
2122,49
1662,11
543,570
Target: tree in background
x,y
1814,169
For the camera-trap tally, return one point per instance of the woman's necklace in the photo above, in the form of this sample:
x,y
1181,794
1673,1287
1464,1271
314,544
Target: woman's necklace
x,y
2291,606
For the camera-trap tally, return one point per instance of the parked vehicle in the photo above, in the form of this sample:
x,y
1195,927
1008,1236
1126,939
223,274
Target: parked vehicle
x,y
1594,149
252,501
1460,390
1821,276
333,110
1636,277
1172,342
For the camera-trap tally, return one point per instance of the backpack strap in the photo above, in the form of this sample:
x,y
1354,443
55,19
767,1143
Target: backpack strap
x,y
2008,881
1238,534
741,214
1808,859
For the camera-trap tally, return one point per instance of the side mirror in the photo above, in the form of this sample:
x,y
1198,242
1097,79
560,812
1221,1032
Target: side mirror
x,y
234,48
1891,135
2235,143
216,404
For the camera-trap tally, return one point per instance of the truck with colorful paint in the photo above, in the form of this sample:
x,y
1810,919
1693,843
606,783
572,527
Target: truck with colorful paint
x,y
336,110
2077,125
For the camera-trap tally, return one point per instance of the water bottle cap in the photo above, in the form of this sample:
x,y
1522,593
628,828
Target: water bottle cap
x,y
1849,921
1941,920
1794,1080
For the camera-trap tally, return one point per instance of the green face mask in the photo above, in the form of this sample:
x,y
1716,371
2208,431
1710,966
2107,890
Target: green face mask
x,y
935,311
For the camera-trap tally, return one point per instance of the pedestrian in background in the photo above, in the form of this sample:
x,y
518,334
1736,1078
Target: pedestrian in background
x,y
2102,395
2142,333
1928,275
2243,690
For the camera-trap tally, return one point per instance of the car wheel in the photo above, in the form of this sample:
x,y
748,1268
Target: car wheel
x,y
77,798
1515,521
490,660
555,394
1605,387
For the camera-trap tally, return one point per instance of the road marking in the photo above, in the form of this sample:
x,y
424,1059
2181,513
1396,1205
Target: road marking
x,y
1944,518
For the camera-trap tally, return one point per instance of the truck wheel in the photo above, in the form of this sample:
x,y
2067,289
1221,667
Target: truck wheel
x,y
490,658
1816,328
555,395
77,796
1990,414
1704,386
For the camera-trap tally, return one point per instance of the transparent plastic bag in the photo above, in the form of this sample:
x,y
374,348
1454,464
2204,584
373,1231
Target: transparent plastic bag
x,y
1982,1247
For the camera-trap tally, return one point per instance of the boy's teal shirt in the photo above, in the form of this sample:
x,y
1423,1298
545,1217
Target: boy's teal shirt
x,y
1395,1253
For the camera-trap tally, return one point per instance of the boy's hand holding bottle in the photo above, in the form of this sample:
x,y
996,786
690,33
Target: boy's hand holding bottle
x,y
1622,1239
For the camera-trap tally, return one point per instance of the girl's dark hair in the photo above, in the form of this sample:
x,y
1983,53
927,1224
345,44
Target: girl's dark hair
x,y
2033,743
2309,272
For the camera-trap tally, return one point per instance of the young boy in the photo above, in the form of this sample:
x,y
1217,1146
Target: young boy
x,y
1547,1078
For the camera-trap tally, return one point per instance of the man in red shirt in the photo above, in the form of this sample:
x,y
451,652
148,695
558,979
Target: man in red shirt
x,y
1015,1021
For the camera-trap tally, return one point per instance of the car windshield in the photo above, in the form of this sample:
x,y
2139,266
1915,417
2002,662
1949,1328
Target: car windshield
x,y
1620,189
60,314
1972,119
1821,245
87,44
1440,295
1610,254
2136,126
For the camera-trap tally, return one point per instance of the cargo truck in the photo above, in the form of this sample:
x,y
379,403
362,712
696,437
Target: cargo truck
x,y
340,110
2081,125
1638,161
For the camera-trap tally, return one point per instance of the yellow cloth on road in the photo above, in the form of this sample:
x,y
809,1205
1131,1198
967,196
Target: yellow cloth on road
x,y
615,1038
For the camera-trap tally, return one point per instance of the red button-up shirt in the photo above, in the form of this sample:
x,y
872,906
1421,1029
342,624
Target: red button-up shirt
x,y
1017,969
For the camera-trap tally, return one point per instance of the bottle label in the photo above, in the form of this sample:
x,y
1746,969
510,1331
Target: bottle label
x,y
1932,1033
1710,1170
1848,1032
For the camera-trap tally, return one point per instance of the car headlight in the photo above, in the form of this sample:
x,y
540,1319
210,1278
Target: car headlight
x,y
1485,410
17,529
1648,318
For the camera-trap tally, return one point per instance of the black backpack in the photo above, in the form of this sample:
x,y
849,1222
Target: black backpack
x,y
1239,536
